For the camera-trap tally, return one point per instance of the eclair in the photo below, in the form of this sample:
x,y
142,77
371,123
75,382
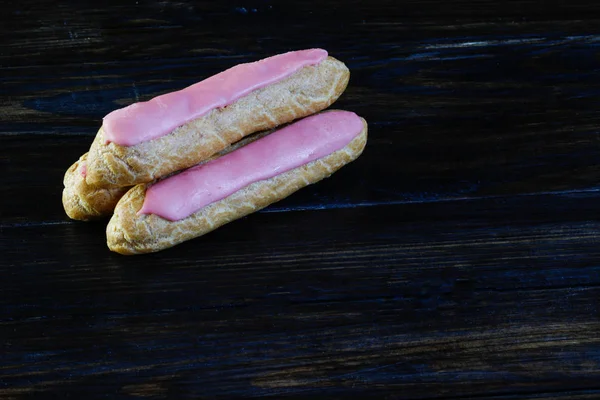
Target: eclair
x,y
174,131
153,217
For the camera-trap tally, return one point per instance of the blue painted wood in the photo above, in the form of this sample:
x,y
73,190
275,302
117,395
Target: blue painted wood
x,y
457,258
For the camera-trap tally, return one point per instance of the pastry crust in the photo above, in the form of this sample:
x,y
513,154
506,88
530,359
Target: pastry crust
x,y
86,202
129,233
311,89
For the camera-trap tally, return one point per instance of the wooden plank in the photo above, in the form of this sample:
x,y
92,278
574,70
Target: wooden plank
x,y
457,110
413,169
438,300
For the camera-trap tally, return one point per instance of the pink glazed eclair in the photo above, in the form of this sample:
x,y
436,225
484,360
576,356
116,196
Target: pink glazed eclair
x,y
153,217
149,140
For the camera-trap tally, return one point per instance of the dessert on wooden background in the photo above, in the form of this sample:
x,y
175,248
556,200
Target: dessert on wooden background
x,y
184,163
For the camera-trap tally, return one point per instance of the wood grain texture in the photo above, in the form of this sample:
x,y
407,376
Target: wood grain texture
x,y
457,258
442,298
465,114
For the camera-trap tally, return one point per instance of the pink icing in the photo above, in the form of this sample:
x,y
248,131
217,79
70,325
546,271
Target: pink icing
x,y
83,169
159,116
312,138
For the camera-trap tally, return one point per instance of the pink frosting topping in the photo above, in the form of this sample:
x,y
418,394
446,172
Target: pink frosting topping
x,y
140,122
307,140
83,169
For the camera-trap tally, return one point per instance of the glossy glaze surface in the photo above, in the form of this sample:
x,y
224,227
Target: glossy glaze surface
x,y
290,147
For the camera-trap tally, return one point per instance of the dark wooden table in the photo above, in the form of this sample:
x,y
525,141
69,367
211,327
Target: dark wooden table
x,y
457,258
